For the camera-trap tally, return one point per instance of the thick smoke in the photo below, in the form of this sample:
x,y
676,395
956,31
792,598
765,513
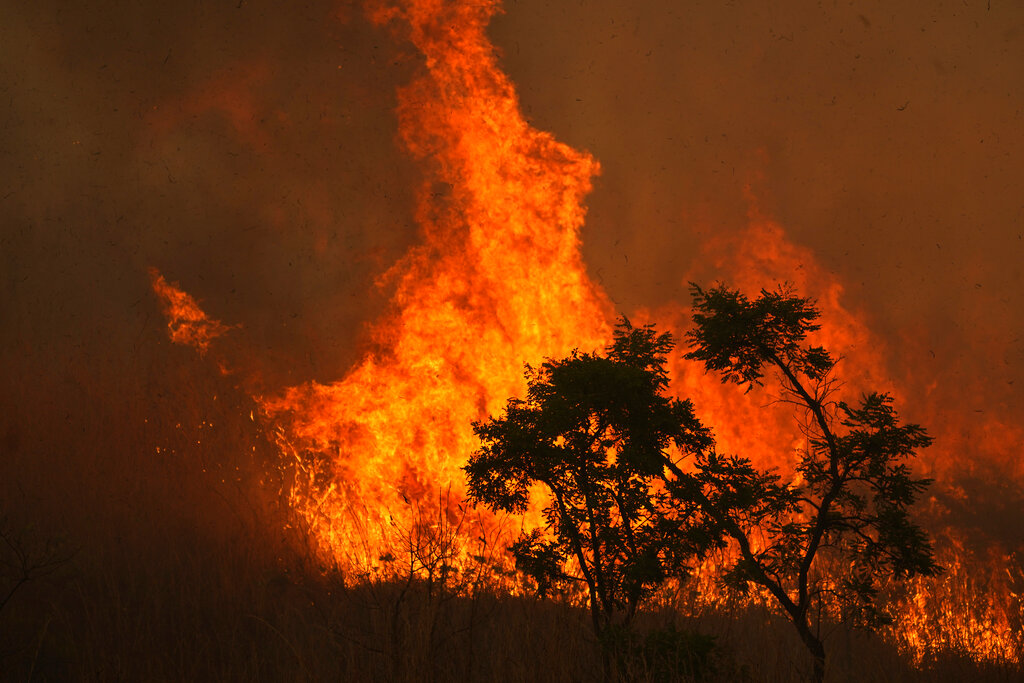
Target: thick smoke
x,y
886,139
245,150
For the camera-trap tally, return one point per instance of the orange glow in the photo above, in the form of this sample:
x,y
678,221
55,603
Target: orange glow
x,y
186,323
498,281
231,94
761,256
975,608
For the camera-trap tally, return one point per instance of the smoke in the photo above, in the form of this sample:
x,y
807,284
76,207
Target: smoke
x,y
886,140
247,150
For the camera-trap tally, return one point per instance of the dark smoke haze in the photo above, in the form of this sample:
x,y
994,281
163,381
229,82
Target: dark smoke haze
x,y
887,137
248,151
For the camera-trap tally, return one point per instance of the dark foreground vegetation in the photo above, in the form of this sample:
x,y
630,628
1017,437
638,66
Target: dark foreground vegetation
x,y
236,613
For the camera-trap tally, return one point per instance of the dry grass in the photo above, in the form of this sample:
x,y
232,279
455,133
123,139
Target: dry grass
x,y
232,611
176,568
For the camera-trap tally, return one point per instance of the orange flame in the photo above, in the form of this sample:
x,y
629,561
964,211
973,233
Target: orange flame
x,y
975,608
498,280
762,256
186,322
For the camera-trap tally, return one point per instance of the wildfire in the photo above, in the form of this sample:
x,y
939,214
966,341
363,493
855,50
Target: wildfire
x,y
186,322
498,280
976,606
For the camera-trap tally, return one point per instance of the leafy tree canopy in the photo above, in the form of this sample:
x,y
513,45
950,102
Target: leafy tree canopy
x,y
828,539
638,493
595,430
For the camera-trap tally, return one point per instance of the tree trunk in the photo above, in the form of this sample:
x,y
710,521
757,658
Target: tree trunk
x,y
600,630
817,650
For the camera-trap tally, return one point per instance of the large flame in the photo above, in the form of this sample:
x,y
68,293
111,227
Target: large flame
x,y
497,281
976,606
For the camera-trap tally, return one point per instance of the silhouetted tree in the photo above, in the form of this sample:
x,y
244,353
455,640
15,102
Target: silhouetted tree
x,y
828,538
24,558
595,431
637,492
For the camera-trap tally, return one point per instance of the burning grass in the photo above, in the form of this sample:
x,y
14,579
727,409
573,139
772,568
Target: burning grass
x,y
243,609
198,539
182,561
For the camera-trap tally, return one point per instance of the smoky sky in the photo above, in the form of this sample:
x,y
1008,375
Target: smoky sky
x,y
886,137
248,150
247,153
